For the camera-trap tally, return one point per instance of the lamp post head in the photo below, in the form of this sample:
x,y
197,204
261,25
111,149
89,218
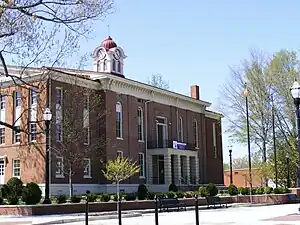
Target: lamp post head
x,y
230,151
295,90
47,114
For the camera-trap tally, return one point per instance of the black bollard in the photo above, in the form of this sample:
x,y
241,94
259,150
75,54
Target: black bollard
x,y
196,209
156,210
119,210
87,208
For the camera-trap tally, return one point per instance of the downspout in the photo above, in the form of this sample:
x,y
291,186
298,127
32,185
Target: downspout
x,y
146,139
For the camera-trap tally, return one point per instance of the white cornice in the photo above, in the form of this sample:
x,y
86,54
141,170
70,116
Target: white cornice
x,y
213,115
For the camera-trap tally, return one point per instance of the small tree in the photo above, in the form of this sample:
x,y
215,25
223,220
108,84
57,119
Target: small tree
x,y
120,169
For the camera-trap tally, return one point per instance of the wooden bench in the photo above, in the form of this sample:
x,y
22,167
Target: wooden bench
x,y
168,203
215,201
293,198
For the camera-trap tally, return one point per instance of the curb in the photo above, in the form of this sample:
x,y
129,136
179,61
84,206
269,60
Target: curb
x,y
91,218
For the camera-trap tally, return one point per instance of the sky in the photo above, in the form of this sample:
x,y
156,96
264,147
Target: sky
x,y
196,41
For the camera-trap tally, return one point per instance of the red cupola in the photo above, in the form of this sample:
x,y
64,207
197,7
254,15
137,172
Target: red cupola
x,y
108,43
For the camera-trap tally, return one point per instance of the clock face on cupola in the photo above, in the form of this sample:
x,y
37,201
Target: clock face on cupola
x,y
109,58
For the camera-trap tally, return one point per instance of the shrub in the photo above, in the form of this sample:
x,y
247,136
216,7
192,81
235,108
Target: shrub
x,y
32,194
142,192
233,190
151,195
1,201
4,191
189,194
76,198
221,192
253,191
91,197
160,195
130,197
15,188
286,190
245,191
173,188
278,190
105,197
61,199
260,191
268,190
202,191
212,189
171,194
179,194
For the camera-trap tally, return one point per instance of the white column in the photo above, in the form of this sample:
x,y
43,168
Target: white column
x,y
197,169
188,169
168,169
149,170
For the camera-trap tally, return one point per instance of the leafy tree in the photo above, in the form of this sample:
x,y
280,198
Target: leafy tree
x,y
158,81
226,166
243,162
120,169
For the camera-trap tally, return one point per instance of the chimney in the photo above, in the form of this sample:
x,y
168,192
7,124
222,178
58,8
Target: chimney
x,y
195,92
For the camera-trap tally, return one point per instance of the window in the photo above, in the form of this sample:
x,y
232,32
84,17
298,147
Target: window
x,y
114,65
120,154
2,135
214,141
180,132
142,165
17,99
32,132
59,167
59,95
196,134
119,120
87,168
119,67
140,125
58,132
86,135
86,102
33,96
16,168
2,101
104,65
16,135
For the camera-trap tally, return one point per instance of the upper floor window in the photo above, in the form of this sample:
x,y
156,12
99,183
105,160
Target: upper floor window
x,y
140,124
16,134
142,165
2,135
196,134
2,101
32,134
119,67
58,132
87,168
16,168
86,102
33,96
17,98
86,135
114,65
59,95
104,65
180,132
214,141
59,167
119,120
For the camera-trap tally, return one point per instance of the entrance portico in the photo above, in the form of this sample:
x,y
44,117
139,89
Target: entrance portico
x,y
170,165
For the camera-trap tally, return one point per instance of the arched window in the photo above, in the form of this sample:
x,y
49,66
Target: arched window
x,y
140,124
180,131
98,66
196,134
114,65
119,120
119,67
104,65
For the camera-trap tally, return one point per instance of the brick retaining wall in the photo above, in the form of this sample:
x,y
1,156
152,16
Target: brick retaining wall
x,y
23,210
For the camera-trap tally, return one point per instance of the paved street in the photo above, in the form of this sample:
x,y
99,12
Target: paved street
x,y
255,215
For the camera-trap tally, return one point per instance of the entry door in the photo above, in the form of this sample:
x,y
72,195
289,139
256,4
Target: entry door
x,y
2,170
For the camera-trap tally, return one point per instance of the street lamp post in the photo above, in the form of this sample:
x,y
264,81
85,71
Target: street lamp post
x,y
47,117
295,90
230,164
288,171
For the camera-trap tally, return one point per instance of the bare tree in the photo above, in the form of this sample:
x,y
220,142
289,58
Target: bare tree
x,y
158,81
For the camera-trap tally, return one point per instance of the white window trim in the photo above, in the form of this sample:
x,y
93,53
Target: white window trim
x,y
31,141
90,172
61,175
15,99
31,94
13,168
4,136
88,134
142,125
143,155
197,134
14,137
121,121
122,155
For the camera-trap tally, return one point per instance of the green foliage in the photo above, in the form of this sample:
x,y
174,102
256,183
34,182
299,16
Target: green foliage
x,y
151,195
105,197
76,199
1,201
260,191
202,191
32,194
171,194
212,189
179,194
61,199
173,187
4,191
130,197
160,195
15,189
253,191
278,190
268,190
142,192
92,197
232,190
244,190
189,194
120,169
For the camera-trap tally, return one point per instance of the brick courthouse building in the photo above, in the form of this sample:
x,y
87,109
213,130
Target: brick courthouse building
x,y
174,138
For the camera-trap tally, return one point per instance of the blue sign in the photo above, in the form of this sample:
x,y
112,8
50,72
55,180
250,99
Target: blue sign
x,y
179,145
